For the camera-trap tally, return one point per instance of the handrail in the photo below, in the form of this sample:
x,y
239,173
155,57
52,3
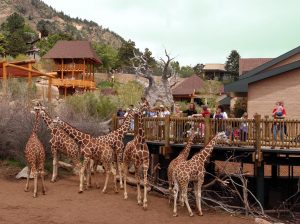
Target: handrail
x,y
257,133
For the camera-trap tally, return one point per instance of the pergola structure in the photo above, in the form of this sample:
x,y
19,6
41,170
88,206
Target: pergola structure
x,y
75,66
22,69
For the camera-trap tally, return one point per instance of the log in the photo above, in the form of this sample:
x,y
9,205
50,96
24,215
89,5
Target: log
x,y
132,181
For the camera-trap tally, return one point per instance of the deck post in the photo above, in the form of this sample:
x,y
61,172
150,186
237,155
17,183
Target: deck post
x,y
114,121
136,124
206,130
259,165
167,150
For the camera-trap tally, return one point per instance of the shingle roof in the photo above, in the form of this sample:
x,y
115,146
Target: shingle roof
x,y
188,86
73,49
220,67
247,64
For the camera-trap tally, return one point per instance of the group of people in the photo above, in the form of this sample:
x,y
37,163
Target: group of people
x,y
240,132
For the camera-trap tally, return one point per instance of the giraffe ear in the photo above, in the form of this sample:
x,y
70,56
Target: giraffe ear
x,y
32,112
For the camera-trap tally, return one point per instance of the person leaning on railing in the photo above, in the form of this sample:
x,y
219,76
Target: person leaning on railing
x,y
279,114
244,127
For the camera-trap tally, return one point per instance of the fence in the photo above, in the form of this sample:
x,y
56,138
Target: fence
x,y
242,132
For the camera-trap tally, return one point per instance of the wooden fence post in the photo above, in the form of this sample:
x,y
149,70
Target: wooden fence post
x,y
167,149
258,156
136,124
206,130
114,122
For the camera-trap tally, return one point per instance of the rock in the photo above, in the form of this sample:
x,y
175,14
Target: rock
x,y
261,221
23,173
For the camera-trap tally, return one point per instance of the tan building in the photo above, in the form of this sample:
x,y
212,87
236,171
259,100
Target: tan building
x,y
276,80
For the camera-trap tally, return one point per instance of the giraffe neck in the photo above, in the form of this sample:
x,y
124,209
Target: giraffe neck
x,y
47,119
123,129
36,123
141,132
79,136
206,152
187,148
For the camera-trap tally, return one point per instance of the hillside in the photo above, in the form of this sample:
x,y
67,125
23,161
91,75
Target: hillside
x,y
35,11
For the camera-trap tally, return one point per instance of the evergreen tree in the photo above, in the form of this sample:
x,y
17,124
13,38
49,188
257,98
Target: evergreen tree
x,y
126,53
232,63
108,55
17,34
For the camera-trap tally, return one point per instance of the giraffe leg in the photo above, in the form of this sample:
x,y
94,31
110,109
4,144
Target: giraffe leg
x,y
107,171
125,171
175,194
170,191
181,201
88,175
35,183
185,198
145,168
43,182
27,182
119,168
138,183
82,170
115,178
55,167
199,198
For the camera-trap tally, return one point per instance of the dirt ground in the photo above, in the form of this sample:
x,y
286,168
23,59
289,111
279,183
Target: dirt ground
x,y
62,204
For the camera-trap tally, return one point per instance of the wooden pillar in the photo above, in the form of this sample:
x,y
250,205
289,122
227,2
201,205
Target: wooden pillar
x,y
49,89
136,124
73,68
65,92
29,76
206,130
83,76
114,122
259,165
93,73
4,82
62,68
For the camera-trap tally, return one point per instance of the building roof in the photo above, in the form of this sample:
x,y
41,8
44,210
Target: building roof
x,y
188,86
214,67
73,49
247,64
260,72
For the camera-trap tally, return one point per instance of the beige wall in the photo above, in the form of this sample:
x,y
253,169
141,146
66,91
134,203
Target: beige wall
x,y
263,94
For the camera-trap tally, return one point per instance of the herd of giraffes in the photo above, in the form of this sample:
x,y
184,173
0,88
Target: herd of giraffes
x,y
75,144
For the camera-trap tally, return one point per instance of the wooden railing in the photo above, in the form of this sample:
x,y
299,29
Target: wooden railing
x,y
251,132
74,83
70,67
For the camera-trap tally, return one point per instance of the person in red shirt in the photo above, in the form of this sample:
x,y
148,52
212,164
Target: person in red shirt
x,y
278,112
205,112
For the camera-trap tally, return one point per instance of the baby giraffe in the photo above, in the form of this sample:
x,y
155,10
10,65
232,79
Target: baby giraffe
x,y
35,157
193,170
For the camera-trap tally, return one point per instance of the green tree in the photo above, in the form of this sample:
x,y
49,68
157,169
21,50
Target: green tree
x,y
17,34
210,92
126,53
232,63
198,69
176,66
46,44
3,44
186,71
108,55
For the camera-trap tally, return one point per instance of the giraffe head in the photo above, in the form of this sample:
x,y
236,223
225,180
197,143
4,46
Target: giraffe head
x,y
144,106
221,137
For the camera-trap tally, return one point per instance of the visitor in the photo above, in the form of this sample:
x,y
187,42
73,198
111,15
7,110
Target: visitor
x,y
191,110
131,128
205,111
120,112
279,113
244,127
219,115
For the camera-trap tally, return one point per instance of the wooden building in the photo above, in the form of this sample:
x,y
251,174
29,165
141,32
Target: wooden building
x,y
214,72
22,69
75,66
276,80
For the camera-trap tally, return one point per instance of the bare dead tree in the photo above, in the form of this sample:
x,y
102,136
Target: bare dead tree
x,y
156,92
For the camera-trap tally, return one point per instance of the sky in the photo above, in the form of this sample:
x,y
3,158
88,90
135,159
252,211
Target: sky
x,y
196,31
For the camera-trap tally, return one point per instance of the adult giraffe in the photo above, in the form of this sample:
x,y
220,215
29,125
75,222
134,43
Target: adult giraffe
x,y
194,170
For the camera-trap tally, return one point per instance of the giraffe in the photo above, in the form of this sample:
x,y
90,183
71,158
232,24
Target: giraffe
x,y
35,157
91,148
60,142
90,145
179,159
193,170
137,151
